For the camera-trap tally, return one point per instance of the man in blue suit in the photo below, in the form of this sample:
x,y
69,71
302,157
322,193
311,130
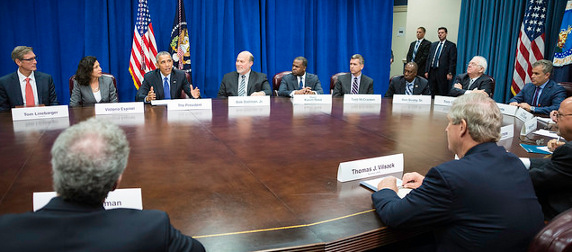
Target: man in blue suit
x,y
543,94
26,87
299,82
483,201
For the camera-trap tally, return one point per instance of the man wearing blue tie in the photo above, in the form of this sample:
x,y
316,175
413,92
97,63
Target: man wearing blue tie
x,y
408,83
441,64
165,82
419,50
300,82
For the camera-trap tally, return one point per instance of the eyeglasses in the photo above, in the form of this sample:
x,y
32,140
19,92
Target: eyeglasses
x,y
30,59
559,115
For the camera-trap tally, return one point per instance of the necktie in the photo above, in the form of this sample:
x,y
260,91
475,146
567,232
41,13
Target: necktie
x,y
301,83
415,49
471,84
166,88
436,56
242,86
535,99
355,86
409,89
29,94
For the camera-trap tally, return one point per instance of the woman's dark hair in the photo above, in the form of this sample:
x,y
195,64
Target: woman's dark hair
x,y
84,70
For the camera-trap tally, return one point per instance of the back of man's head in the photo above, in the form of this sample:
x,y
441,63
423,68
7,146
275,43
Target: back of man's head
x,y
87,161
482,115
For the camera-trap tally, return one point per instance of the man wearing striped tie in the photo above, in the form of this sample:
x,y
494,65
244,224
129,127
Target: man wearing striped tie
x,y
355,82
543,94
244,82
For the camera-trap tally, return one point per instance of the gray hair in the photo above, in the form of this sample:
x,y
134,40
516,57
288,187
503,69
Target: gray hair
x,y
162,53
20,51
481,61
482,115
546,65
357,56
87,160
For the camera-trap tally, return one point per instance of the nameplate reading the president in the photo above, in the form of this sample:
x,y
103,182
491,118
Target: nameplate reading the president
x,y
119,108
362,99
444,100
119,198
506,109
523,115
412,99
190,104
31,113
246,101
312,99
370,167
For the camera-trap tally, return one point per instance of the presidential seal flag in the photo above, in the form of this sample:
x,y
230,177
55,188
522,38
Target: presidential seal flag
x,y
180,47
563,53
530,46
144,47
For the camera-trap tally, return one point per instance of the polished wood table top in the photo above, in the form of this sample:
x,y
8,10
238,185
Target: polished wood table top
x,y
249,178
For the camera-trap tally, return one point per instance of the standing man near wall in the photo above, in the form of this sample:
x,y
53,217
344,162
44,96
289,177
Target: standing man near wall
x,y
441,64
419,50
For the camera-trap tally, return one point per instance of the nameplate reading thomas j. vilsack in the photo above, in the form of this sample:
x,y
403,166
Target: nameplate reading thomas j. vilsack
x,y
119,198
370,167
39,112
312,99
412,99
362,98
244,101
119,108
188,104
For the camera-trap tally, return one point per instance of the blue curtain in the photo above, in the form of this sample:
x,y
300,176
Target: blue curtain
x,y
326,32
490,28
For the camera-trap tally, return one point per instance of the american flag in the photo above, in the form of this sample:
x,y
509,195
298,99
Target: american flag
x,y
144,47
530,46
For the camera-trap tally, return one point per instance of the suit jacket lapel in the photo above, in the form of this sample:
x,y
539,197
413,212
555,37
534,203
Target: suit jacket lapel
x,y
250,84
159,88
40,88
16,90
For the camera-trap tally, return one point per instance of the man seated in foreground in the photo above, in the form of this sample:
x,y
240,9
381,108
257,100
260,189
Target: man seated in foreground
x,y
88,160
483,201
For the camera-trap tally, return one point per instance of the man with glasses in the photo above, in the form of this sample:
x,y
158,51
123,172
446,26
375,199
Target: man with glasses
x,y
552,178
26,87
475,80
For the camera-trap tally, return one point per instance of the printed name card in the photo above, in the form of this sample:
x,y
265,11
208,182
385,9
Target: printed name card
x,y
120,198
523,115
412,99
188,104
362,99
529,126
244,101
312,99
506,132
370,167
31,113
119,108
444,100
507,109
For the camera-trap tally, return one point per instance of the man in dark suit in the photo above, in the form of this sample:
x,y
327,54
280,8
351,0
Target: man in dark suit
x,y
552,178
299,82
475,80
244,82
483,201
26,87
88,160
543,94
165,78
408,83
418,51
441,64
355,82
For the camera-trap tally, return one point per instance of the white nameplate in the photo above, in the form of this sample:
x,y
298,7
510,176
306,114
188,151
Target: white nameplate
x,y
243,101
362,98
444,100
523,115
312,99
529,126
39,112
188,104
506,132
120,198
412,99
119,108
370,167
507,109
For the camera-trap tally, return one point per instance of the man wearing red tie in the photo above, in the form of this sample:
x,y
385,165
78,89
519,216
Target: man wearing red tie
x,y
26,87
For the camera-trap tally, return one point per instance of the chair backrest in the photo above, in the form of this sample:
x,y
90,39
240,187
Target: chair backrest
x,y
493,86
183,94
568,87
72,78
333,80
556,236
277,79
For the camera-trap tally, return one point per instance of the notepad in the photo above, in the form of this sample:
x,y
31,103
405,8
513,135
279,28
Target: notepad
x,y
372,185
535,149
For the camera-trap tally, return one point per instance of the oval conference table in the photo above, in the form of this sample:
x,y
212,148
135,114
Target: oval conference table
x,y
250,178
